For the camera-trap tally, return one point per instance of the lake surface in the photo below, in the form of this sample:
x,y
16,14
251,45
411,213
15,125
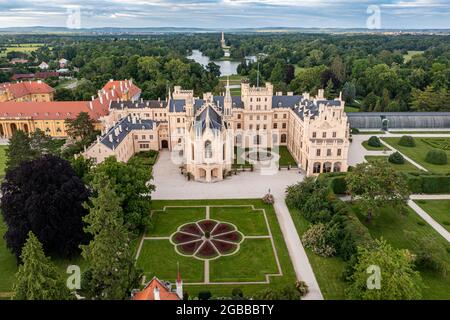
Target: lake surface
x,y
227,68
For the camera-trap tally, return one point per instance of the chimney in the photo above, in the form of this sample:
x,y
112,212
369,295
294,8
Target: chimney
x,y
101,99
93,98
290,93
320,94
279,93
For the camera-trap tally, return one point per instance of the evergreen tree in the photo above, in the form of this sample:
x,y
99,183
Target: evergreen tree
x,y
19,149
37,277
112,273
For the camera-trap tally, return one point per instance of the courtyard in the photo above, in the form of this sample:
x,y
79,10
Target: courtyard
x,y
217,244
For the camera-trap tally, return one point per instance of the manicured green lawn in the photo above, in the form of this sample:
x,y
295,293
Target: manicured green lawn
x,y
328,271
254,259
366,145
419,152
439,210
2,161
158,258
166,222
406,167
395,227
420,132
250,222
285,157
351,109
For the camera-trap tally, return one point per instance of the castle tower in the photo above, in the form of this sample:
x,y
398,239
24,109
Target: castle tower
x,y
222,41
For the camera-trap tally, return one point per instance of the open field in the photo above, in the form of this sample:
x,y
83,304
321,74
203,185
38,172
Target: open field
x,y
24,48
259,260
419,152
439,210
411,54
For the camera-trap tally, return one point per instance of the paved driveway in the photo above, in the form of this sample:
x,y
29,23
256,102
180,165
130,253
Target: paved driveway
x,y
171,185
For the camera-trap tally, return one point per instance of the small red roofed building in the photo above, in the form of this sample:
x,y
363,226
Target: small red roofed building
x,y
36,91
159,290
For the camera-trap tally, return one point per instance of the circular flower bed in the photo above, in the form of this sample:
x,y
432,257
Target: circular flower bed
x,y
206,239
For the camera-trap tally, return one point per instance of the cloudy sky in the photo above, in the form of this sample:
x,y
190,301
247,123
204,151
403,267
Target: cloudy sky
x,y
404,14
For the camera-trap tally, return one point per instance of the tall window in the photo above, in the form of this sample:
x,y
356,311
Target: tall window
x,y
208,149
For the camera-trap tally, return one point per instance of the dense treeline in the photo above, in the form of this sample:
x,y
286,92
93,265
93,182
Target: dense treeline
x,y
374,72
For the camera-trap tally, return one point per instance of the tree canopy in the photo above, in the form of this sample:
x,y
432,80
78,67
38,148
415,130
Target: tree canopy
x,y
37,277
44,196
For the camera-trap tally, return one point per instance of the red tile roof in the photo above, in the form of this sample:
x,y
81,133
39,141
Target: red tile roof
x,y
148,292
53,110
21,89
59,110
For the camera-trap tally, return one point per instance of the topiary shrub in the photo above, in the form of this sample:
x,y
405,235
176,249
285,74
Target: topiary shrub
x,y
354,130
438,157
407,141
374,141
268,199
396,158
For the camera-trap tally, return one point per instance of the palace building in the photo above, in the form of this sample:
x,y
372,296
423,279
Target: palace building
x,y
36,91
28,106
203,133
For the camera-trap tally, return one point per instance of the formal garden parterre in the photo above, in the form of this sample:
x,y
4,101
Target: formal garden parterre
x,y
217,244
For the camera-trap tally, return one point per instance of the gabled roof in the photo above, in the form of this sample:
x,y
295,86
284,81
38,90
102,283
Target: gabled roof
x,y
122,129
148,292
121,87
21,89
208,118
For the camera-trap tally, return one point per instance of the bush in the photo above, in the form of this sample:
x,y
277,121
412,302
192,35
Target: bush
x,y
406,141
315,238
268,199
438,157
204,295
338,185
354,130
428,183
396,158
374,141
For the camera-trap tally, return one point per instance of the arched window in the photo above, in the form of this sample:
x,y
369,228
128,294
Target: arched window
x,y
208,149
327,167
316,167
337,167
283,138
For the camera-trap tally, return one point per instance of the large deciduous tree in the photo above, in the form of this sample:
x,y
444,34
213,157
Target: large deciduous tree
x,y
44,196
375,185
391,271
112,273
131,182
80,127
37,277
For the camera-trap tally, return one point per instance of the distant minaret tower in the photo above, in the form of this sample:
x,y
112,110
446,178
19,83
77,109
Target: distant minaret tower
x,y
223,40
179,283
228,101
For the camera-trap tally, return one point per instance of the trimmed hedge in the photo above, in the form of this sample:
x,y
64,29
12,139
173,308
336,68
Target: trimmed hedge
x,y
374,141
428,183
436,157
407,141
396,158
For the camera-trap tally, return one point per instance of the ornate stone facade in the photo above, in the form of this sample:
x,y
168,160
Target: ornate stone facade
x,y
204,133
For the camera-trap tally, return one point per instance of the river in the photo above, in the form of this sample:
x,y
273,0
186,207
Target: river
x,y
227,67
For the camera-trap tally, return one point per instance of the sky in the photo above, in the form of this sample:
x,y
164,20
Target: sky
x,y
225,14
